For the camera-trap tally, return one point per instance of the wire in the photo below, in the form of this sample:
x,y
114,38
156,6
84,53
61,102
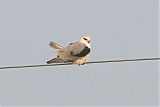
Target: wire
x,y
93,62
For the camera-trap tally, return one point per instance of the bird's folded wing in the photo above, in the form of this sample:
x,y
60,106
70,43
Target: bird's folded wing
x,y
79,49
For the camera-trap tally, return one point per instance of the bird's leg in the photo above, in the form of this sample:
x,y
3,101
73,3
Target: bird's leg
x,y
81,64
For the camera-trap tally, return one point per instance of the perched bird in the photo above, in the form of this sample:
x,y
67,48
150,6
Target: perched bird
x,y
76,52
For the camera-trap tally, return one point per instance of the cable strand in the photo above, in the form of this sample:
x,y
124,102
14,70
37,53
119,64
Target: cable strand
x,y
93,62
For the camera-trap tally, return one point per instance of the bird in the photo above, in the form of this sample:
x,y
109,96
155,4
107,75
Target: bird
x,y
76,53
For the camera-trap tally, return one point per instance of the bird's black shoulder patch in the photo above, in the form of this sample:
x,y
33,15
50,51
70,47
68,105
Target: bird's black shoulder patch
x,y
84,52
73,43
70,43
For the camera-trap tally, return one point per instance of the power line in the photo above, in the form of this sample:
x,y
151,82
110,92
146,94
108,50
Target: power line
x,y
93,62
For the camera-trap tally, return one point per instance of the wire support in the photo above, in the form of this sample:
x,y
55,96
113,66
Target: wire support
x,y
92,62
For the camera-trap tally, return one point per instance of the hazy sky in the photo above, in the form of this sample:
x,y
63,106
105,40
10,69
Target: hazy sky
x,y
118,29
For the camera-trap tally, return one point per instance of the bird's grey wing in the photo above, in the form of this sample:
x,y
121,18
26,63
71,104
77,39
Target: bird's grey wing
x,y
79,50
55,45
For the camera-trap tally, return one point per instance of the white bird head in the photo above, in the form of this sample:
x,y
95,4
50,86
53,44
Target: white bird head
x,y
86,40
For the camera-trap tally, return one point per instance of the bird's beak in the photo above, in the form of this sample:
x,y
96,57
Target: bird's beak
x,y
89,41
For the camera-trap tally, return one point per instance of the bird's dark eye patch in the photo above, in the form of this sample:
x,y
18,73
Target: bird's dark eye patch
x,y
85,39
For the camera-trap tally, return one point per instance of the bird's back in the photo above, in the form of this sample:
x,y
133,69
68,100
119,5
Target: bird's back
x,y
71,50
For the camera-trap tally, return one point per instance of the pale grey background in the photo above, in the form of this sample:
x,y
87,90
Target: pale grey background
x,y
118,28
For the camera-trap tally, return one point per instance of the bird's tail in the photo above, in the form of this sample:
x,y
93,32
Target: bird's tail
x,y
55,45
56,60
